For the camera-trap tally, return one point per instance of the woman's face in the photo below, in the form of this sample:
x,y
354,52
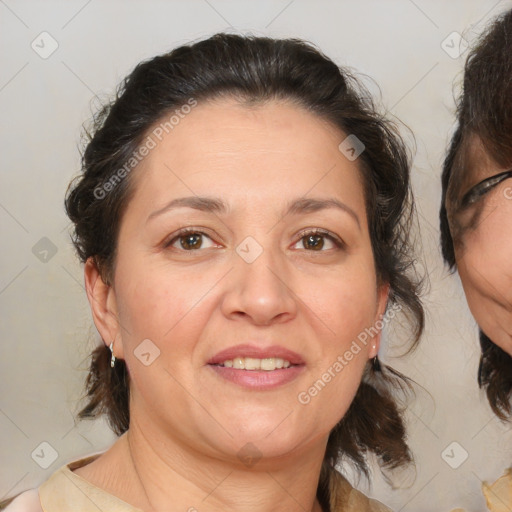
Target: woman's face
x,y
483,245
251,279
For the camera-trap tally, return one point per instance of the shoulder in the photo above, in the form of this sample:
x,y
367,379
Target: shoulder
x,y
32,500
66,490
499,492
344,498
27,501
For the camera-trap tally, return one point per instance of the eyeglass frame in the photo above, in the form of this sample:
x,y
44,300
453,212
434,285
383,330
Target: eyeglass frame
x,y
482,187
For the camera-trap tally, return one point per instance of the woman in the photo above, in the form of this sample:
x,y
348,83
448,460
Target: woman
x,y
243,219
476,211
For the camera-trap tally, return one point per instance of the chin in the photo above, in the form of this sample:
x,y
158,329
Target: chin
x,y
270,438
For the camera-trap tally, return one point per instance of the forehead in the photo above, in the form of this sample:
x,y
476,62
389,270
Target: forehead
x,y
478,158
262,149
472,164
226,129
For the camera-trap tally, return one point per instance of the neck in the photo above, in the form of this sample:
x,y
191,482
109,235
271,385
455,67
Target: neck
x,y
160,474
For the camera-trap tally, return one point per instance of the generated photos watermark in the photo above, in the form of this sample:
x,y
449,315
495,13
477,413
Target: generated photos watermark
x,y
304,397
150,143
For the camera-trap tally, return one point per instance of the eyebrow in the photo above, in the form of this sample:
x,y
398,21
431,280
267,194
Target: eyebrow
x,y
218,206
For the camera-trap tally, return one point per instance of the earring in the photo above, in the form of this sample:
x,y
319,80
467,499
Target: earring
x,y
113,358
375,361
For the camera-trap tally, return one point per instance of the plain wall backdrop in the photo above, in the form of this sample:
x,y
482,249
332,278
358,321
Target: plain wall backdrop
x,y
410,48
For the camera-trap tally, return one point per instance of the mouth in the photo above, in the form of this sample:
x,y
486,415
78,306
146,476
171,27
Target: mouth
x,y
267,364
257,368
256,357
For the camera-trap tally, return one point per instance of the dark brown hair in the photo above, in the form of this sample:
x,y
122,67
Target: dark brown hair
x,y
255,70
484,116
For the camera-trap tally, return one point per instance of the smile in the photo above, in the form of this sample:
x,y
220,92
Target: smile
x,y
252,363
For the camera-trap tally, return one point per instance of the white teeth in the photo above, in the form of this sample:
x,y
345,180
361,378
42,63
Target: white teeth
x,y
239,363
268,364
252,363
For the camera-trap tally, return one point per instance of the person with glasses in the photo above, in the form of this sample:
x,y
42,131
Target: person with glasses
x,y
476,214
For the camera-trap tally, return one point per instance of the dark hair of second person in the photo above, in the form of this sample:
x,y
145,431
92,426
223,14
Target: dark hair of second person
x,y
476,199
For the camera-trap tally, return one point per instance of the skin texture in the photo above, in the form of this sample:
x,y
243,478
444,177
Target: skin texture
x,y
187,423
483,249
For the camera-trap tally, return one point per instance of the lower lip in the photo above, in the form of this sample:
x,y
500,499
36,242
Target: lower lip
x,y
258,379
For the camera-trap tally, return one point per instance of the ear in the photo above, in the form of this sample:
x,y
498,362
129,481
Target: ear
x,y
103,307
382,302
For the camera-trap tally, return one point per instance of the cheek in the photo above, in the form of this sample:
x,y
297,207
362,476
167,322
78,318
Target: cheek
x,y
348,300
489,242
328,395
347,308
170,311
485,259
155,299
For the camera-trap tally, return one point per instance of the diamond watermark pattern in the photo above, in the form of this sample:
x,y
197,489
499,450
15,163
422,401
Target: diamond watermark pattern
x,y
249,455
146,352
454,45
454,455
351,147
249,249
44,45
44,455
44,250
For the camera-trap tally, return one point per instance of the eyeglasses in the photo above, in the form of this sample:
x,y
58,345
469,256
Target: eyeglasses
x,y
481,188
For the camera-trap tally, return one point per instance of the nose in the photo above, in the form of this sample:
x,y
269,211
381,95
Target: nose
x,y
260,291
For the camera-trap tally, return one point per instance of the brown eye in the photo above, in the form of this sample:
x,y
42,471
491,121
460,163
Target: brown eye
x,y
315,240
189,240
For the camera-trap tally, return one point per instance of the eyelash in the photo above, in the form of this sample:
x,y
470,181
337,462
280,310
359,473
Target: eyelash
x,y
307,232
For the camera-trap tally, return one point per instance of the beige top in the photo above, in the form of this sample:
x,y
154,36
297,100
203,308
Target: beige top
x,y
498,495
66,491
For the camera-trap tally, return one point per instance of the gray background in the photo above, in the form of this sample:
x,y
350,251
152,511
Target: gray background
x,y
46,329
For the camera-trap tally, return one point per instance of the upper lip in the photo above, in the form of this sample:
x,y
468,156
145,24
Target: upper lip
x,y
257,352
